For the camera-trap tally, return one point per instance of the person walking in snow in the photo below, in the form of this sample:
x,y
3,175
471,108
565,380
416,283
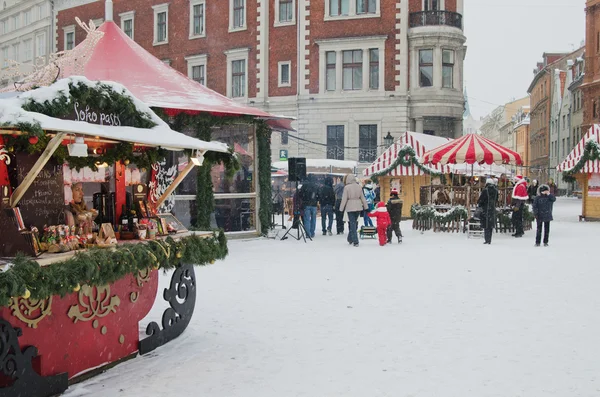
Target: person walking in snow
x,y
383,222
487,202
339,214
532,190
542,210
327,201
310,196
394,207
519,198
370,196
353,202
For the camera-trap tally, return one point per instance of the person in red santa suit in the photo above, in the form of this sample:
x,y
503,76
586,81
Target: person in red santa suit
x,y
383,221
519,198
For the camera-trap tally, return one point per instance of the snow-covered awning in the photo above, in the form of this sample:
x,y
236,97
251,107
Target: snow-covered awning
x,y
571,161
161,135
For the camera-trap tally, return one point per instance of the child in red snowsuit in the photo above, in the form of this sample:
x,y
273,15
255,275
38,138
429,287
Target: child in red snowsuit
x,y
383,221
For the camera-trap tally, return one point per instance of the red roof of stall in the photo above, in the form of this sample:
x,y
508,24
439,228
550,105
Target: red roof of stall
x,y
116,57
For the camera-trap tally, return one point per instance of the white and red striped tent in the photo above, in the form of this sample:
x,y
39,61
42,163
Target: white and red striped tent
x,y
471,149
591,166
420,143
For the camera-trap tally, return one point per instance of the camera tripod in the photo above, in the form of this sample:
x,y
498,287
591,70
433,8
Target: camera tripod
x,y
301,232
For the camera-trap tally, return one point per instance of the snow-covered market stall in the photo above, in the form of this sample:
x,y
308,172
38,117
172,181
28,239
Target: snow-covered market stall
x,y
77,179
232,195
583,165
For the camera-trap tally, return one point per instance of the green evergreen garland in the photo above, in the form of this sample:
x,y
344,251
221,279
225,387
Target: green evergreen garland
x,y
97,267
428,212
263,137
590,153
406,158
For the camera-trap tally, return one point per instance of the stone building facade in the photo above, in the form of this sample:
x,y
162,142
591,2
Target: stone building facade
x,y
25,37
591,81
350,71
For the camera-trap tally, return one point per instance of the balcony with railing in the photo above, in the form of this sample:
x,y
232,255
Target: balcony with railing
x,y
436,18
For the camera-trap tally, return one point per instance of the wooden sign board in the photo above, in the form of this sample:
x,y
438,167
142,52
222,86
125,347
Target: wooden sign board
x,y
170,219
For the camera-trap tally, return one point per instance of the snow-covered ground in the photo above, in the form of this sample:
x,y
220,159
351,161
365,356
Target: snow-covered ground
x,y
439,315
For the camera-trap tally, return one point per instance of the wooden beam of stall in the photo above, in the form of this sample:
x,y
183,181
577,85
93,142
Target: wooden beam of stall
x,y
35,170
175,183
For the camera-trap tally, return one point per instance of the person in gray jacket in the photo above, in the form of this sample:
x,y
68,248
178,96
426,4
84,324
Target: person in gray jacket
x,y
339,215
353,202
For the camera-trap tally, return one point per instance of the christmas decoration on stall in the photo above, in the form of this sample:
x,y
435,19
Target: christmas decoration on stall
x,y
428,212
591,152
406,157
98,267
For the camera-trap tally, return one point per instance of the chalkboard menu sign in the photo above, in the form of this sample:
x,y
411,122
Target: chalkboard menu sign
x,y
43,203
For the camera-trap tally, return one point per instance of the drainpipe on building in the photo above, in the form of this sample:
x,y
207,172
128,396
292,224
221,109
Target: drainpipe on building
x,y
51,39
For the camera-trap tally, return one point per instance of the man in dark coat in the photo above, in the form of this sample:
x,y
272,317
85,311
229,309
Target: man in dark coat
x,y
339,215
487,202
310,197
542,210
327,200
394,207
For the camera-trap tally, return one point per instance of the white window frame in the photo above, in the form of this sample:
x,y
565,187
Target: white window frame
x,y
41,11
160,8
16,51
338,45
98,21
245,25
277,23
16,21
192,35
5,57
442,4
126,16
27,17
351,12
37,50
197,60
27,53
3,26
66,31
237,54
279,74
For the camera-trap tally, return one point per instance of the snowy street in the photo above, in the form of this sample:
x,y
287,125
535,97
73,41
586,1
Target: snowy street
x,y
438,315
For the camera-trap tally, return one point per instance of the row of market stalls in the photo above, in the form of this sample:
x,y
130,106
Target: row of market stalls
x,y
92,148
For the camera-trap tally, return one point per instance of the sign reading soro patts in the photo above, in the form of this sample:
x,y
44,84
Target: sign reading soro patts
x,y
83,112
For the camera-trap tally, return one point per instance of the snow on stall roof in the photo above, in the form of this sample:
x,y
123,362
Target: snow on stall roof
x,y
11,114
429,141
320,163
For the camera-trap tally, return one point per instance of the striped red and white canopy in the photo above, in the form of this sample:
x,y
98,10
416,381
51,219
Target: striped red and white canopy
x,y
471,149
591,166
420,143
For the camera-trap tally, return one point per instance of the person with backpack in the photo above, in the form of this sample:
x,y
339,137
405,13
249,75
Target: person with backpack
x,y
327,201
542,210
370,196
394,207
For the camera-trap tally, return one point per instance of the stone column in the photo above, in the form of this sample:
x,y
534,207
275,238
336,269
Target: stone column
x,y
419,125
458,128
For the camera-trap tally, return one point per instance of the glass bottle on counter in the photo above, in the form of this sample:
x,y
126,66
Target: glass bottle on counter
x,y
123,221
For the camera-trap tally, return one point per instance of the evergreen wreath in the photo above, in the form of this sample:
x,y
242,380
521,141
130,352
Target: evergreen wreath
x,y
406,158
591,152
97,267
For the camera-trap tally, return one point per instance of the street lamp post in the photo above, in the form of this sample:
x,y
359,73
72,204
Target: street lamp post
x,y
388,140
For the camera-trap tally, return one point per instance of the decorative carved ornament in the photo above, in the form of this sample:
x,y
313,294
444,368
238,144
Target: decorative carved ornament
x,y
93,302
4,156
143,276
30,311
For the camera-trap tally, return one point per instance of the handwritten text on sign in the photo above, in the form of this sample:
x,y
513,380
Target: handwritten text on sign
x,y
92,116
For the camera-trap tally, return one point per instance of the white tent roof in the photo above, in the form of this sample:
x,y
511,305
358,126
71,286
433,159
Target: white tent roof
x,y
591,166
11,114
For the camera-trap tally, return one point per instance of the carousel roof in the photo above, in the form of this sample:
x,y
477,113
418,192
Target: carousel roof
x,y
590,166
12,115
471,148
420,143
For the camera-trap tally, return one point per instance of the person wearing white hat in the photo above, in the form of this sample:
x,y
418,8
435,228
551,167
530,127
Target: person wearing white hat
x,y
487,203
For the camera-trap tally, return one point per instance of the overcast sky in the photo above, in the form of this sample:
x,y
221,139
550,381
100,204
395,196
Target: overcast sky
x,y
506,39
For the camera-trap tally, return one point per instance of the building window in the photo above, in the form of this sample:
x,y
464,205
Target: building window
x,y
28,50
432,5
447,68
197,68
41,11
15,52
374,69
330,70
285,74
3,25
197,18
367,143
5,57
426,68
352,63
127,23
27,17
40,45
366,7
238,78
237,15
69,40
285,11
15,21
339,7
161,24
335,142
284,138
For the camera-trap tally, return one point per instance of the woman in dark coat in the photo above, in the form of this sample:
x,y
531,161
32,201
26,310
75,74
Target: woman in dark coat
x,y
487,202
542,210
